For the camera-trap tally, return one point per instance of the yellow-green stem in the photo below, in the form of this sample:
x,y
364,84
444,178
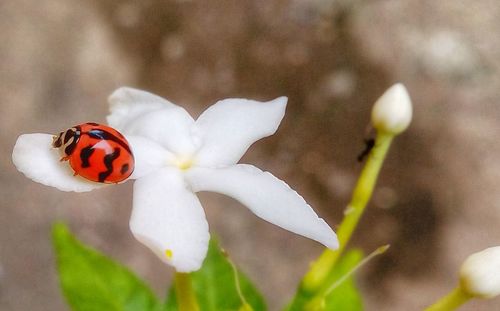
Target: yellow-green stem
x,y
321,268
186,300
451,301
318,302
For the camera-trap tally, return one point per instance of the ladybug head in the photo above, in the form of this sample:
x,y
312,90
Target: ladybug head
x,y
66,141
57,140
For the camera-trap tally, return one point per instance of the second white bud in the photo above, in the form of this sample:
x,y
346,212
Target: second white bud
x,y
480,273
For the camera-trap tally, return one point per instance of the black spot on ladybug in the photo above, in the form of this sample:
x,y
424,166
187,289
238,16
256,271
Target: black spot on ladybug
x,y
124,168
71,147
369,144
104,135
108,162
68,135
85,155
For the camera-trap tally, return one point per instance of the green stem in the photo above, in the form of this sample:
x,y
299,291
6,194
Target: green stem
x,y
184,293
317,303
363,191
321,268
451,301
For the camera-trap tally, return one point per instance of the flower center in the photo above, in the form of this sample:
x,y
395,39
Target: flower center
x,y
183,162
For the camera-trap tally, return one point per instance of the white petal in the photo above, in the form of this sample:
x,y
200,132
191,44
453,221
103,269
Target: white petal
x,y
228,128
168,218
127,103
149,156
34,156
135,112
266,196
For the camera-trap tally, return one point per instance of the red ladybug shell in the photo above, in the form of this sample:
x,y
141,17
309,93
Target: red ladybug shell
x,y
96,152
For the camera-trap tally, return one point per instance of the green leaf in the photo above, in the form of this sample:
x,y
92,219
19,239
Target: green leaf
x,y
90,281
215,286
171,303
345,296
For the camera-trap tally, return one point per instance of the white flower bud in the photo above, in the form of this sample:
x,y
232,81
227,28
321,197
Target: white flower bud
x,y
392,112
480,273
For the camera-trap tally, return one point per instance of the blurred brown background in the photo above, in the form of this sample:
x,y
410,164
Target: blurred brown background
x,y
438,199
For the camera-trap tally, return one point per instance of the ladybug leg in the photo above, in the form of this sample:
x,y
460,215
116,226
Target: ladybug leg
x,y
75,174
66,158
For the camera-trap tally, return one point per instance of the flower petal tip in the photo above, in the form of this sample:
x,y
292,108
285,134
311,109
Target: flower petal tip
x,y
333,243
327,236
282,100
127,92
121,94
134,98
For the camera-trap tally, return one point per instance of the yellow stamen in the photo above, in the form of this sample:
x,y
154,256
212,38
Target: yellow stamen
x,y
169,253
186,164
183,162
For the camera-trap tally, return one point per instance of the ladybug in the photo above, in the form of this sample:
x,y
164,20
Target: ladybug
x,y
96,152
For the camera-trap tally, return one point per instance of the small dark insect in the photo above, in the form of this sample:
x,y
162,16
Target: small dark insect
x,y
369,144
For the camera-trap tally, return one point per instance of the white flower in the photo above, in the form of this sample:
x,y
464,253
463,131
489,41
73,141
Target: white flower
x,y
392,112
175,157
480,273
